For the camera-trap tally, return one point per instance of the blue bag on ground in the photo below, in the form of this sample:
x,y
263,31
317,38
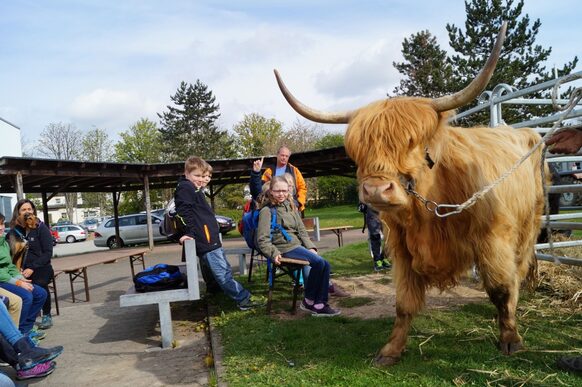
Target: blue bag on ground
x,y
158,277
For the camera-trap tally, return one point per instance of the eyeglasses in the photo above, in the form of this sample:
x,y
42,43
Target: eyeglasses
x,y
281,191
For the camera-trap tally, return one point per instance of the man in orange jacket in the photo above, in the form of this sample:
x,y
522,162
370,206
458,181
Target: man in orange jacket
x,y
283,166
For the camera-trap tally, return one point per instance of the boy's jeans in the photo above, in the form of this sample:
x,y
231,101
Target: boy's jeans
x,y
223,274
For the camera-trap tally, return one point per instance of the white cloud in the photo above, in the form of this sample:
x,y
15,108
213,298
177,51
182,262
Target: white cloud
x,y
101,107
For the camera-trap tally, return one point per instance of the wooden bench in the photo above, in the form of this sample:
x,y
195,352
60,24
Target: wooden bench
x,y
76,267
164,297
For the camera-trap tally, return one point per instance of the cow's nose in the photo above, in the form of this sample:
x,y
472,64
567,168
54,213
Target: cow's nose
x,y
377,192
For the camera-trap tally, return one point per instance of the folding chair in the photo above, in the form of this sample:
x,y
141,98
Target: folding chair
x,y
259,258
291,267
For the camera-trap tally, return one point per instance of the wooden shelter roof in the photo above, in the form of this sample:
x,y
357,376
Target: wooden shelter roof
x,y
49,175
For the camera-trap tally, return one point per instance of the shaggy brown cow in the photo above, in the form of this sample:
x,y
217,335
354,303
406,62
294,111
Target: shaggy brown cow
x,y
403,147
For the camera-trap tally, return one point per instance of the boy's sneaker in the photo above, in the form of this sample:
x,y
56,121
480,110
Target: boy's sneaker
x,y
326,311
378,265
252,302
307,308
38,371
386,265
46,322
36,335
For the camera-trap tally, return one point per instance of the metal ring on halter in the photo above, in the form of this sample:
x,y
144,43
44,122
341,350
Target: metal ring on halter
x,y
430,206
449,213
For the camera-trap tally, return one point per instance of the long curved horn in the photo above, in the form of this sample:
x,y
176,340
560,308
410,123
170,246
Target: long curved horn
x,y
478,84
309,113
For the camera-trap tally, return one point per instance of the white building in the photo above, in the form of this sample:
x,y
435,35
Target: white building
x,y
10,145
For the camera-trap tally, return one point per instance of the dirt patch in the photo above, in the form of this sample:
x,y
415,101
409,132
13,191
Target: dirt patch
x,y
375,297
380,290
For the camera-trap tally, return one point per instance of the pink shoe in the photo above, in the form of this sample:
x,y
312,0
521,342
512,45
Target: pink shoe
x,y
38,371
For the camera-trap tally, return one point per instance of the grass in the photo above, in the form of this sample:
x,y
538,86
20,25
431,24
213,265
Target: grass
x,y
445,347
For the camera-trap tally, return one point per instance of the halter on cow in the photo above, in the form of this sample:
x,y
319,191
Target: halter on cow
x,y
394,143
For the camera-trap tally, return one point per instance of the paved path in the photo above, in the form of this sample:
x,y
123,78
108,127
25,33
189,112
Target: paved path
x,y
106,345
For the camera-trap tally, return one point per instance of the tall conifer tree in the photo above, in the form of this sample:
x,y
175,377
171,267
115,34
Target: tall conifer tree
x,y
190,126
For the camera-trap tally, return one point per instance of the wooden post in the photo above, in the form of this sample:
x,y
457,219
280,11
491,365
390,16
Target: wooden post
x,y
19,186
45,211
116,217
146,192
212,196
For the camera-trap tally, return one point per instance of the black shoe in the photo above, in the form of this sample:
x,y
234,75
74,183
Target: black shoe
x,y
570,364
30,356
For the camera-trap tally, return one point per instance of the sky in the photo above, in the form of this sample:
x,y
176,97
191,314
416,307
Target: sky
x,y
106,64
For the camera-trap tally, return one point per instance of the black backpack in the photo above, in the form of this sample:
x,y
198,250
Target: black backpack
x,y
172,224
158,277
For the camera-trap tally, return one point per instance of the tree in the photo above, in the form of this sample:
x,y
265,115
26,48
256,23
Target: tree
x,y
189,127
334,189
521,62
141,143
60,141
426,71
63,142
96,147
257,135
302,136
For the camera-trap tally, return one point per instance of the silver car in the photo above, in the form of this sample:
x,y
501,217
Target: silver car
x,y
132,230
70,233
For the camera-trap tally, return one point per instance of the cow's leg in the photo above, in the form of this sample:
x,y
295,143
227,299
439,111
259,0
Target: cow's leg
x,y
501,282
410,292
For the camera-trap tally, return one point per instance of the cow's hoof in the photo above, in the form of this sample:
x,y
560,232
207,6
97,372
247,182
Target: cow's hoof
x,y
510,348
385,361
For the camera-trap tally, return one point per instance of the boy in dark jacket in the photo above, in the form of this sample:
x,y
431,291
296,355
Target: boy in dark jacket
x,y
200,224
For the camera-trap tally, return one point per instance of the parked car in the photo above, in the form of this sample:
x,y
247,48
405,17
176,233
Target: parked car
x,y
55,234
225,224
70,233
132,230
90,224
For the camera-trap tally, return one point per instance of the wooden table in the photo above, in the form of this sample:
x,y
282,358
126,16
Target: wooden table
x,y
76,267
339,232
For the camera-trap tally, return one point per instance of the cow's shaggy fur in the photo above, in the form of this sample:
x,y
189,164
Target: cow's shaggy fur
x,y
389,141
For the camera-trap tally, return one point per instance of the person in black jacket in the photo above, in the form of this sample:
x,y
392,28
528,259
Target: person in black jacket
x,y
36,265
200,224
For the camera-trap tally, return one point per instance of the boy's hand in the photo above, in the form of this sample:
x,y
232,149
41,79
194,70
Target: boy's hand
x,y
565,141
185,238
258,165
27,272
277,260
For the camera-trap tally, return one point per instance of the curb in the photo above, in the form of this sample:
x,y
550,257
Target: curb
x,y
216,348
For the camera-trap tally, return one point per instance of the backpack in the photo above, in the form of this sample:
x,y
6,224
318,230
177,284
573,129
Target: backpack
x,y
246,209
158,277
250,222
172,224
